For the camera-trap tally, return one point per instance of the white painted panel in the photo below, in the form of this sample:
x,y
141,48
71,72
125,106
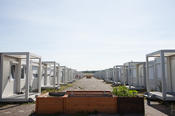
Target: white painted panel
x,y
173,73
141,75
34,80
8,82
151,76
158,75
134,77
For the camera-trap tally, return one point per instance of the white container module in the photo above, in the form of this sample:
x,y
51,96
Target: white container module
x,y
61,75
136,75
65,74
141,75
50,77
160,84
122,75
102,74
117,74
70,75
111,78
99,74
58,76
106,78
125,74
73,75
108,75
20,76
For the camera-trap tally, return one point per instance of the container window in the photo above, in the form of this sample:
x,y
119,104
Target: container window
x,y
35,71
52,73
23,72
13,71
35,75
43,73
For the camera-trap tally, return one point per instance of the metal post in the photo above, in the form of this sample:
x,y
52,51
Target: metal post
x,y
137,75
144,75
107,75
163,74
18,78
1,74
39,76
68,75
124,75
45,75
54,79
63,76
31,75
71,75
58,76
27,75
117,74
129,76
147,74
155,72
169,76
113,73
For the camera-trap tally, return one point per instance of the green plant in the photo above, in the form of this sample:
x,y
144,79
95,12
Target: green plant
x,y
62,88
124,91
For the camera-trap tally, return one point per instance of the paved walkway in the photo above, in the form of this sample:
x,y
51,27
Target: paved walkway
x,y
155,109
17,110
92,84
82,84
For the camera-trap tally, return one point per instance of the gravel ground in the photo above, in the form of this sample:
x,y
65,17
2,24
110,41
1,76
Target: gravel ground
x,y
83,84
92,84
17,110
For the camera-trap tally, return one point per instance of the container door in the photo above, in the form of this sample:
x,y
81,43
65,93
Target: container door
x,y
13,75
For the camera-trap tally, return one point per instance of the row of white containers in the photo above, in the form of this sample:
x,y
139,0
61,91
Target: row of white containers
x,y
23,74
156,75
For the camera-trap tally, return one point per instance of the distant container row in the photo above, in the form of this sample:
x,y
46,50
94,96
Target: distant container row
x,y
156,75
23,74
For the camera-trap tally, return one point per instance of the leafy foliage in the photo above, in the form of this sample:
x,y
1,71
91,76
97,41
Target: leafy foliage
x,y
124,91
63,87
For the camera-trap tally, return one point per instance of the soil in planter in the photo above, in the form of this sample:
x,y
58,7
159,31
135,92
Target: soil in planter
x,y
131,105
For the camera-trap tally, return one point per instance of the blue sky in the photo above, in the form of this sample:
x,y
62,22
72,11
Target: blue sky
x,y
87,34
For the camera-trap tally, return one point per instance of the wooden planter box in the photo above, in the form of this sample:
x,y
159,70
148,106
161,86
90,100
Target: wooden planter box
x,y
91,104
88,101
77,101
130,105
49,105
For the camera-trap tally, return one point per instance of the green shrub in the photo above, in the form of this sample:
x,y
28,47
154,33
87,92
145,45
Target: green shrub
x,y
124,91
62,88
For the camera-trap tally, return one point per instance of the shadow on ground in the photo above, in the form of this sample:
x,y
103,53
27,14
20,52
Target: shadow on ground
x,y
164,108
85,114
5,107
